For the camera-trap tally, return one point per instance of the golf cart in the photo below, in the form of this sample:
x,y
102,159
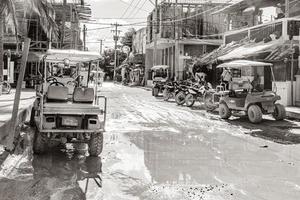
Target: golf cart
x,y
243,95
68,109
160,75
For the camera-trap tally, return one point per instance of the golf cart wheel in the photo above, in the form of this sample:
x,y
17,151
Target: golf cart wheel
x,y
32,115
39,143
189,100
166,94
208,102
254,114
155,92
96,144
224,111
279,112
180,98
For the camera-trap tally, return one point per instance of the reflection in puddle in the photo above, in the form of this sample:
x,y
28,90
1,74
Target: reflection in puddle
x,y
68,169
177,158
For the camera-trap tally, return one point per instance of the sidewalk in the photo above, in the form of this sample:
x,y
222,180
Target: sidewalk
x,y
6,105
293,112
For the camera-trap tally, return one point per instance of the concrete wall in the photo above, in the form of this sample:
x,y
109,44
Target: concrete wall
x,y
139,40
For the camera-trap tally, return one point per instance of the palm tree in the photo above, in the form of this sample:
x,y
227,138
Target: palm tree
x,y
42,8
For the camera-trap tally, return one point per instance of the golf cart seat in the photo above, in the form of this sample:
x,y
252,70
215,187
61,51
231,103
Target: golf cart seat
x,y
57,93
83,95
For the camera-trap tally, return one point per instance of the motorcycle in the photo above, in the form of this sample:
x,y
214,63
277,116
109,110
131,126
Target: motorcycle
x,y
169,90
181,92
196,92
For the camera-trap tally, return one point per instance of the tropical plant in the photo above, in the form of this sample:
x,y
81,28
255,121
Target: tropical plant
x,y
42,8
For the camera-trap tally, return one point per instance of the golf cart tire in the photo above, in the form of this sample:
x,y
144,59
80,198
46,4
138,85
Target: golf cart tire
x,y
32,115
254,114
39,143
279,113
96,144
166,94
224,111
155,92
189,103
180,98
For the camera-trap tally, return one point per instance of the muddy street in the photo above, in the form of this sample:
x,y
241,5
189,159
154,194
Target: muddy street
x,y
160,151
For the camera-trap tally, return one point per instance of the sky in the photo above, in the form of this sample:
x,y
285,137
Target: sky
x,y
106,12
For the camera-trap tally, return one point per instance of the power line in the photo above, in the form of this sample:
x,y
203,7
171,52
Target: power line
x,y
128,7
138,9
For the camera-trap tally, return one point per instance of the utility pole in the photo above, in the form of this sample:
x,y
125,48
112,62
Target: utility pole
x,y
84,37
101,44
287,8
116,38
63,24
155,33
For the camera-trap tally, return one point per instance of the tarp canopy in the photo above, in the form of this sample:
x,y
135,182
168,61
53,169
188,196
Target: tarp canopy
x,y
164,67
75,56
243,4
251,50
244,63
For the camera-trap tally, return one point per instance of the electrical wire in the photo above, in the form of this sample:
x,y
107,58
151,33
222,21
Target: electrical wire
x,y
128,7
138,9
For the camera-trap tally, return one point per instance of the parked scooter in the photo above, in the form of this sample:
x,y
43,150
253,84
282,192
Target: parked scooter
x,y
196,92
169,91
181,92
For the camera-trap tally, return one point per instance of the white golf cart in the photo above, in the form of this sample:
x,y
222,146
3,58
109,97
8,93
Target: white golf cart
x,y
68,109
246,94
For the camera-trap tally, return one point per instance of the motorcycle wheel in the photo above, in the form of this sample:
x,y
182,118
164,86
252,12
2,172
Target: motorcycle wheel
x,y
189,100
180,98
155,92
166,94
208,102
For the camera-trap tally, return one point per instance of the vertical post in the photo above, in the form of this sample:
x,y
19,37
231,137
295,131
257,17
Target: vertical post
x,y
116,38
84,37
292,75
155,33
63,24
101,43
287,8
14,117
1,47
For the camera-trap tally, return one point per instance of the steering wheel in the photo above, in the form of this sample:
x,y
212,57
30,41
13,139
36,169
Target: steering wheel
x,y
51,79
57,84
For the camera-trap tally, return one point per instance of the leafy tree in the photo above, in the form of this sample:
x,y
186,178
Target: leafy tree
x,y
126,40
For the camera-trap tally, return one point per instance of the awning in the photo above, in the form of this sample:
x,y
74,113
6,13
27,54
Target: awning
x,y
164,67
243,4
243,63
35,56
75,56
252,49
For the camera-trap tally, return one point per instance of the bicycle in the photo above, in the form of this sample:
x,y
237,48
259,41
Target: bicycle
x,y
6,87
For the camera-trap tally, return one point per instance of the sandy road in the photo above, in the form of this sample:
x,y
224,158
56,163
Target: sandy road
x,y
157,150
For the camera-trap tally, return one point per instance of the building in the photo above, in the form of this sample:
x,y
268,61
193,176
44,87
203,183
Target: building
x,y
275,41
183,30
139,41
65,15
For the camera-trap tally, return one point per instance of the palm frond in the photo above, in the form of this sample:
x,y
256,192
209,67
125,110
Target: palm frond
x,y
46,14
7,7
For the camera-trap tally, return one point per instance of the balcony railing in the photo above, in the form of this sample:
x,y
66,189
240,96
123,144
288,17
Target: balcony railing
x,y
287,28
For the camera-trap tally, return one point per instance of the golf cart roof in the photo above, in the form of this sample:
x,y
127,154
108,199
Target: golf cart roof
x,y
244,63
160,67
74,56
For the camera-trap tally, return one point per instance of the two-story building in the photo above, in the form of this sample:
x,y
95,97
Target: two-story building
x,y
182,30
66,14
275,41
